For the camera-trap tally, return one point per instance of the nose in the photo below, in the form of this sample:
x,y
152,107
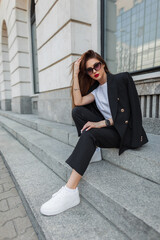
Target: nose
x,y
94,70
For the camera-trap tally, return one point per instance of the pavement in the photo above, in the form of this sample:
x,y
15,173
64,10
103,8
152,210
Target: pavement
x,y
14,222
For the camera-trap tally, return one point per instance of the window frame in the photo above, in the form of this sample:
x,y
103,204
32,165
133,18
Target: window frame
x,y
32,22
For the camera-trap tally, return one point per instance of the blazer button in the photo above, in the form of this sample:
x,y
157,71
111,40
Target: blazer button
x,y
118,98
126,121
122,109
141,138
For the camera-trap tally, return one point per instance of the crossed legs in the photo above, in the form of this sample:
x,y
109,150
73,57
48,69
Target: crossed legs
x,y
86,145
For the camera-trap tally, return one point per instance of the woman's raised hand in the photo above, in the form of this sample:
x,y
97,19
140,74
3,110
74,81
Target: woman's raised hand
x,y
76,66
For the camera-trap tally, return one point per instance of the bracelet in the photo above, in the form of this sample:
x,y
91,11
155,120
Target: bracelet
x,y
76,89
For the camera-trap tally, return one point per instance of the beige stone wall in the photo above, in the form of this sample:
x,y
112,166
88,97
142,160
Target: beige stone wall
x,y
14,17
65,29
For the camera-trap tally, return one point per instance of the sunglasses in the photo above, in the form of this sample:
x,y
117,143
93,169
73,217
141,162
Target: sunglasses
x,y
96,67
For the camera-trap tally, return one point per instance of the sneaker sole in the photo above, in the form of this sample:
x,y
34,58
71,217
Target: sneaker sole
x,y
55,213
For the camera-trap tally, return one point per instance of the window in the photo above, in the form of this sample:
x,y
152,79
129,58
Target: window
x,y
131,39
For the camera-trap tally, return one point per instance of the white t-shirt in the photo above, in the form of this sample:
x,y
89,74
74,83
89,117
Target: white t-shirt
x,y
101,99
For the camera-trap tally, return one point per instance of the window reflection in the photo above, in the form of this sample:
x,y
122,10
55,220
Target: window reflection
x,y
136,35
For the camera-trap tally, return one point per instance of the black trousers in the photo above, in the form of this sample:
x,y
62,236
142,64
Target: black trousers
x,y
105,137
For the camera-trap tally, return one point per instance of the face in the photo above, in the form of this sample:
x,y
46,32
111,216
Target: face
x,y
95,68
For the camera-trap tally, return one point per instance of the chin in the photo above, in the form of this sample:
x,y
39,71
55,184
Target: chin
x,y
97,79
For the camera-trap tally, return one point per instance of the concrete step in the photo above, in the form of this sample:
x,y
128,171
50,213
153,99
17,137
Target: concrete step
x,y
56,130
144,161
36,183
152,125
127,200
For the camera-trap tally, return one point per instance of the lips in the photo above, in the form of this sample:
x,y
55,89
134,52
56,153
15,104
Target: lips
x,y
96,75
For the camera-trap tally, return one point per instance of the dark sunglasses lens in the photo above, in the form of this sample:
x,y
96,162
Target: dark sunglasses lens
x,y
89,70
97,66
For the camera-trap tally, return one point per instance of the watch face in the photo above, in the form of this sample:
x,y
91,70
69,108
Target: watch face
x,y
108,122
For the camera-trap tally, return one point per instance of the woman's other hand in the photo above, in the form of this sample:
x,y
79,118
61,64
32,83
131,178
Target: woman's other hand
x,y
99,124
90,125
76,66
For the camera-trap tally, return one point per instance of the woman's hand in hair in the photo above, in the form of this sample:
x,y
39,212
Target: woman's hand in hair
x,y
76,66
90,125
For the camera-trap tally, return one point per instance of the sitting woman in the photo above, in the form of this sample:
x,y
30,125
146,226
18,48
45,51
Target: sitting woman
x,y
107,114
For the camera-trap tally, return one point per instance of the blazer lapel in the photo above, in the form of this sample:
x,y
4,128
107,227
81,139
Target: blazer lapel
x,y
112,94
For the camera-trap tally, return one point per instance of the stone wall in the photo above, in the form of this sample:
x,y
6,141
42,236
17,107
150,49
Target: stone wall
x,y
15,78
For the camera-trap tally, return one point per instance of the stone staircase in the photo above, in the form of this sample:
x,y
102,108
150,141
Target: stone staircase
x,y
120,196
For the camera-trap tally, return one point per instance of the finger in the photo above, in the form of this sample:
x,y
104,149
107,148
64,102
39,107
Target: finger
x,y
85,126
88,128
82,129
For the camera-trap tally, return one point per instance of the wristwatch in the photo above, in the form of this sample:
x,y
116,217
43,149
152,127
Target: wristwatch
x,y
107,122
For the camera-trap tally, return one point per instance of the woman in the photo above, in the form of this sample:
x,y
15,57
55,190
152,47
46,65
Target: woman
x,y
107,114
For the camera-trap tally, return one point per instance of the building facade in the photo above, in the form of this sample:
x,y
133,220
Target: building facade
x,y
40,39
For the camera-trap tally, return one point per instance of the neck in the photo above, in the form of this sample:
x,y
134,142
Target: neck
x,y
103,79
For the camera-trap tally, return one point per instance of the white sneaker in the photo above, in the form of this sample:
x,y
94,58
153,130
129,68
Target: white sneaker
x,y
97,156
60,201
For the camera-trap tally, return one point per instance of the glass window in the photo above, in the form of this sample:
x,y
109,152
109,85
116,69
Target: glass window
x,y
137,35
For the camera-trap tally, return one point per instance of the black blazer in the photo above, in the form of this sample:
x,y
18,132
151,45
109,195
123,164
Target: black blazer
x,y
125,109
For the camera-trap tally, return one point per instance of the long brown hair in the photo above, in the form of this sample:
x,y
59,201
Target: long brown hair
x,y
85,81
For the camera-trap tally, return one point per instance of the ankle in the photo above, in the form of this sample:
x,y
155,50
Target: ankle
x,y
72,188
